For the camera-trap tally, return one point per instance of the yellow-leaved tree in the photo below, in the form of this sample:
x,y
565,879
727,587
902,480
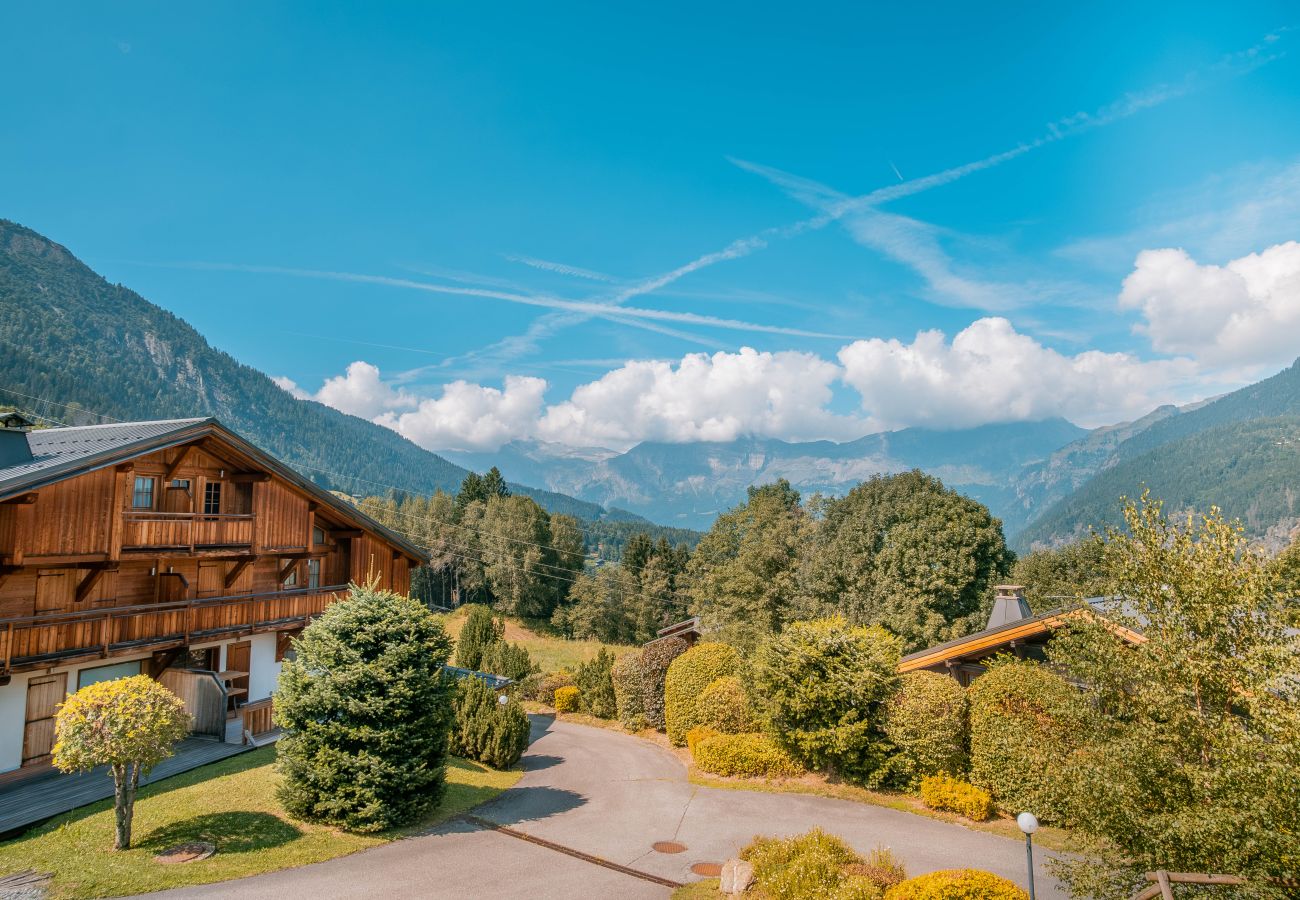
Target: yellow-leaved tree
x,y
129,725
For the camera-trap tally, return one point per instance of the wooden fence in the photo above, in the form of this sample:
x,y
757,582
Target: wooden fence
x,y
258,717
1163,882
204,697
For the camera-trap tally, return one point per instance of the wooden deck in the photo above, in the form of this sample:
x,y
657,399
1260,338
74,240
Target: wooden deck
x,y
28,801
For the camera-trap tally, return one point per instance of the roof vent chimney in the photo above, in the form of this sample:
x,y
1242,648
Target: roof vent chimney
x,y
14,449
1009,605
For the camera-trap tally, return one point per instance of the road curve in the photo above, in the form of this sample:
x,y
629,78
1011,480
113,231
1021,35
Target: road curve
x,y
612,796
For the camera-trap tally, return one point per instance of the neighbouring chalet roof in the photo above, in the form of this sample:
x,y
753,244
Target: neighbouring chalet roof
x,y
1025,629
59,453
680,629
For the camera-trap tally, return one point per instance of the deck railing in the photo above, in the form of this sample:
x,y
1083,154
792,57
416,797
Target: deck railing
x,y
50,637
158,530
259,717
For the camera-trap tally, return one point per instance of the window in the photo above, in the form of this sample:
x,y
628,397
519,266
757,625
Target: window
x,y
142,495
107,673
181,484
313,573
318,535
292,578
212,498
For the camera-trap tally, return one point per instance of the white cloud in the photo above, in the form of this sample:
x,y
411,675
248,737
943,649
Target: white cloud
x,y
289,386
361,392
703,398
472,417
991,373
1244,313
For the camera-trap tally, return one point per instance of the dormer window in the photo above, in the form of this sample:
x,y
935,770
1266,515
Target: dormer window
x,y
318,536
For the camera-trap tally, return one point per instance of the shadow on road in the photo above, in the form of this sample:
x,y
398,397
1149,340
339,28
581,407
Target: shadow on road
x,y
525,804
539,723
541,761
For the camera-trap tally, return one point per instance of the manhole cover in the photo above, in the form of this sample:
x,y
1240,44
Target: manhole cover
x,y
708,870
183,853
668,847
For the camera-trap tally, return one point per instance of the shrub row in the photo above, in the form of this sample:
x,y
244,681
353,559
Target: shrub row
x,y
595,685
628,698
688,677
750,755
944,792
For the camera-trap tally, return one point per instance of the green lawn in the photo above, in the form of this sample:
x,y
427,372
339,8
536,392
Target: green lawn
x,y
551,652
229,803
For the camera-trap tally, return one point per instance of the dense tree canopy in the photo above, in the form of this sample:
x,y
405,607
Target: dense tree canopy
x,y
904,552
1056,577
1194,763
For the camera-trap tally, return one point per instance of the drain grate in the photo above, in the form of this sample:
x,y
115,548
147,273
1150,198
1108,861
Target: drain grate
x,y
708,870
668,847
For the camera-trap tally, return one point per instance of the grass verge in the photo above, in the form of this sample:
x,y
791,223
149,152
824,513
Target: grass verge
x,y
230,803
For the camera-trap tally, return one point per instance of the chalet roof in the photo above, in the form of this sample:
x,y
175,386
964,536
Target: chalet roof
x,y
1019,629
59,453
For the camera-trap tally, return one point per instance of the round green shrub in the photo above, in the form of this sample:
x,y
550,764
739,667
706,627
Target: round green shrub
x,y
487,730
926,722
957,884
1025,722
478,633
626,678
688,676
744,755
823,686
656,657
944,792
567,700
724,705
366,712
596,686
508,660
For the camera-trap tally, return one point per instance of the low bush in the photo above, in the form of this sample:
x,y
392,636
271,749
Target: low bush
x,y
954,795
724,705
812,866
543,690
749,755
625,677
881,867
486,729
508,660
656,657
926,722
957,884
688,676
479,632
595,684
568,699
1026,721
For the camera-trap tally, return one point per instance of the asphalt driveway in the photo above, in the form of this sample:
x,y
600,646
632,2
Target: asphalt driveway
x,y
611,796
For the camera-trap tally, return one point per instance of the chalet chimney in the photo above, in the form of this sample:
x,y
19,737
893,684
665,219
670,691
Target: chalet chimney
x,y
1009,605
14,449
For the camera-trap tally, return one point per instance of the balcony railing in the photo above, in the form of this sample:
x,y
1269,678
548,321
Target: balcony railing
x,y
160,530
51,637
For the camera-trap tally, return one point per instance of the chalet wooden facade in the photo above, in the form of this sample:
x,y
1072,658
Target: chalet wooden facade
x,y
174,549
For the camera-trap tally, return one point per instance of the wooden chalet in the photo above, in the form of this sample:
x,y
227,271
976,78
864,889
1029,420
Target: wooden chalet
x,y
175,549
1012,629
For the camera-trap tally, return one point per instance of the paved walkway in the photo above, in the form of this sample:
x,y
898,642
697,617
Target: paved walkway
x,y
611,796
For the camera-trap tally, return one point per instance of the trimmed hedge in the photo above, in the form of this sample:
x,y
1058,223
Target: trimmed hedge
x,y
724,706
567,699
747,755
926,721
486,729
1025,722
688,676
596,685
626,679
656,657
954,795
957,884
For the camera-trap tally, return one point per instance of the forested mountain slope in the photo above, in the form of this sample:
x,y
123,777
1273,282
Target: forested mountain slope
x,y
68,338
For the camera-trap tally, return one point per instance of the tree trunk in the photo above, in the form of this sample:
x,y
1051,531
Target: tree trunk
x,y
121,809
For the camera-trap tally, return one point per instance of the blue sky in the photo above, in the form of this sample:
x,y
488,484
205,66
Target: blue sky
x,y
595,225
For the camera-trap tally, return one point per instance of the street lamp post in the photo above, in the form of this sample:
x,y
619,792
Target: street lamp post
x,y
1028,823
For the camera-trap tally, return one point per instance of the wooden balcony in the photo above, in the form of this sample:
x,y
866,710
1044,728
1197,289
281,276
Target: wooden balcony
x,y
49,638
185,531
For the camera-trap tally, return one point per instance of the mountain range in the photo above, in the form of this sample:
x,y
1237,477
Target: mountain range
x,y
76,348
